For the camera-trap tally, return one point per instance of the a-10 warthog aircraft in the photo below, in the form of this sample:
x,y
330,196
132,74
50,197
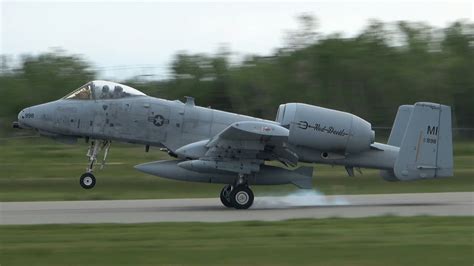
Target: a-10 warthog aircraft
x,y
220,147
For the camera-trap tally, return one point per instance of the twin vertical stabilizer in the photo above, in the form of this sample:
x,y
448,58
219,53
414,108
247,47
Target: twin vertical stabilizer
x,y
424,134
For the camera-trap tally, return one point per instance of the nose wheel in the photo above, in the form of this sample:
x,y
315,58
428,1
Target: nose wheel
x,y
87,181
239,197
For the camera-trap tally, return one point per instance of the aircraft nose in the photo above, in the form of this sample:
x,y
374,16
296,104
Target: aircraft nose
x,y
22,119
21,115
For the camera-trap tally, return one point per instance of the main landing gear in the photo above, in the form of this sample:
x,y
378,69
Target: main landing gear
x,y
87,180
237,196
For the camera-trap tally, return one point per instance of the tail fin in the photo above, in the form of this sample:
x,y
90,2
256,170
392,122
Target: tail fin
x,y
426,149
400,125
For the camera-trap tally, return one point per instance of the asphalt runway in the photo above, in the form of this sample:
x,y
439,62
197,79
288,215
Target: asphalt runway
x,y
211,210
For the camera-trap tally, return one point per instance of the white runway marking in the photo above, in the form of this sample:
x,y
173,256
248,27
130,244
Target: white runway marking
x,y
211,210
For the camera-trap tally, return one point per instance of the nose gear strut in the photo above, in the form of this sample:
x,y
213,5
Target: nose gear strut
x,y
88,180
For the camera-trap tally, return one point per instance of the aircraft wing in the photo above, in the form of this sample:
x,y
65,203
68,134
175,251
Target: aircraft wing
x,y
243,146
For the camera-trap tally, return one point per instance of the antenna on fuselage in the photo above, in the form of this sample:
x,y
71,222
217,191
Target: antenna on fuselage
x,y
189,100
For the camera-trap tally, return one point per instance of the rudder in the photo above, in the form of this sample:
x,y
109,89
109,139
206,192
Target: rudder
x,y
426,149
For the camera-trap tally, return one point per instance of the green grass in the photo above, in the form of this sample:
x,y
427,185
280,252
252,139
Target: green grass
x,y
362,241
41,169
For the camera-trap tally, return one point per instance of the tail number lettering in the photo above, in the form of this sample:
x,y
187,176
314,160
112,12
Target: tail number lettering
x,y
432,130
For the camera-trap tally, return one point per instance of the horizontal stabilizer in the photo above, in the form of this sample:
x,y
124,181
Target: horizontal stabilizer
x,y
375,147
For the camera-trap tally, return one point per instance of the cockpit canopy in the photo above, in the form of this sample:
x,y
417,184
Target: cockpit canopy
x,y
101,90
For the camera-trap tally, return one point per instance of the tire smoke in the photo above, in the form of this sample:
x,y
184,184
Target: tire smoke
x,y
300,198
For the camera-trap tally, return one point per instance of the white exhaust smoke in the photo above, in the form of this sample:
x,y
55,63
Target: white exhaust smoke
x,y
302,198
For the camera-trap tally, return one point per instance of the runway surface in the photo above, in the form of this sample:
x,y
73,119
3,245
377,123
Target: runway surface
x,y
211,210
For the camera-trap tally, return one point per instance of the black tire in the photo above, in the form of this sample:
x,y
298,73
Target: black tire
x,y
225,196
241,197
87,181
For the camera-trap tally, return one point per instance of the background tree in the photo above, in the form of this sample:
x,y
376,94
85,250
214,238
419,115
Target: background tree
x,y
370,74
39,79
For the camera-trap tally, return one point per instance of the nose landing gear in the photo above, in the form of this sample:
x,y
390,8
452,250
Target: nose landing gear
x,y
88,180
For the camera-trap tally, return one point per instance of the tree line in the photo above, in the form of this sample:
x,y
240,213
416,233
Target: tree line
x,y
370,74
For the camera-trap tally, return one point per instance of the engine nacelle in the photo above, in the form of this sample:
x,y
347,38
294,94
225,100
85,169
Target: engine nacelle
x,y
325,129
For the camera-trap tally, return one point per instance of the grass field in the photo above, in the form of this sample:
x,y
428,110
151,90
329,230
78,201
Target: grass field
x,y
334,241
41,169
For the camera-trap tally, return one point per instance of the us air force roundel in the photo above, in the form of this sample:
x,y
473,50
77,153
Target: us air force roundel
x,y
158,120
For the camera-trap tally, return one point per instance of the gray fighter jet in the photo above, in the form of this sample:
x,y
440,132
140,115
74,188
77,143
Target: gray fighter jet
x,y
220,147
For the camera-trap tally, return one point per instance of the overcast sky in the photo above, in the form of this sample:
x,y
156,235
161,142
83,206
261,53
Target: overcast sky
x,y
127,33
